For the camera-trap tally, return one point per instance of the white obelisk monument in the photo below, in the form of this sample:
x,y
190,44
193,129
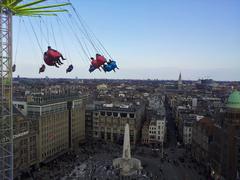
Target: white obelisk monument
x,y
126,144
128,166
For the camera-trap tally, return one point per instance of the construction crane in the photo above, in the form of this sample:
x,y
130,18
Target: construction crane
x,y
9,8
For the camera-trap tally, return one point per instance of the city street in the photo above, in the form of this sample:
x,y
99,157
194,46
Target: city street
x,y
176,165
172,138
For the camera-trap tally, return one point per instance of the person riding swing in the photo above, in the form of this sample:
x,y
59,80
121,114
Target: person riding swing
x,y
52,57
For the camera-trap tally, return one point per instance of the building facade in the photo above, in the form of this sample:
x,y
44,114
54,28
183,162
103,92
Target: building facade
x,y
201,140
24,143
225,147
60,123
89,120
185,127
145,133
157,130
109,121
187,132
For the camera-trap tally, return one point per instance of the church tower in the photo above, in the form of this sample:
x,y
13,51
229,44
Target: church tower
x,y
180,84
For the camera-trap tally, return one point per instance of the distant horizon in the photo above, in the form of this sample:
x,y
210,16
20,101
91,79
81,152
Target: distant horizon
x,y
164,73
42,78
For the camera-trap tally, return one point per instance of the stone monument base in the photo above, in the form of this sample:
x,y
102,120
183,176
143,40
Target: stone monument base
x,y
127,167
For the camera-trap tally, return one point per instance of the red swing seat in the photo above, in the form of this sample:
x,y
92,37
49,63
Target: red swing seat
x,y
53,54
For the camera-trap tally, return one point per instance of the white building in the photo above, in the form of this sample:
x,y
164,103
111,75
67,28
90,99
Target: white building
x,y
188,121
194,103
157,128
187,134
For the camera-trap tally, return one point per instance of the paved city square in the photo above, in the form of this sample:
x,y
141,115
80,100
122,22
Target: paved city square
x,y
95,162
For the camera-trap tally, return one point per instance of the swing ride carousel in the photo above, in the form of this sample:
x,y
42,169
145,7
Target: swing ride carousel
x,y
40,20
47,36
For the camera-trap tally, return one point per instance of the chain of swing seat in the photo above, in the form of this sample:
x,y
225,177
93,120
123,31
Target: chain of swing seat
x,y
86,31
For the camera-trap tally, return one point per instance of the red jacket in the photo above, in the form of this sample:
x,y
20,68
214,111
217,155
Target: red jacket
x,y
95,63
100,60
49,61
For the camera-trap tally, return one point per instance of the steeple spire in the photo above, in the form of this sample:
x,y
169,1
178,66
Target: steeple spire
x,y
180,82
180,77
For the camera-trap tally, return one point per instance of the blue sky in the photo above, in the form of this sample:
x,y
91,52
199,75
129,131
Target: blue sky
x,y
154,39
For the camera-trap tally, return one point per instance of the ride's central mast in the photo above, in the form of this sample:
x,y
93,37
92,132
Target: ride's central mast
x,y
6,121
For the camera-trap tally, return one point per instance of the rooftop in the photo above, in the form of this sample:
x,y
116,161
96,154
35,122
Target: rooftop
x,y
45,99
117,107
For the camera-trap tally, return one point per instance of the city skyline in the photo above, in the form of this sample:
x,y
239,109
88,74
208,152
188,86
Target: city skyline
x,y
150,40
164,79
178,130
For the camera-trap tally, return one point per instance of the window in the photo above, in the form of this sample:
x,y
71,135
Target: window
x,y
152,137
123,115
131,115
109,136
131,138
109,113
131,132
115,114
102,113
20,106
102,135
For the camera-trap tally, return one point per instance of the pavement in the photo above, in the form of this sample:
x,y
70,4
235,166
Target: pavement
x,y
96,163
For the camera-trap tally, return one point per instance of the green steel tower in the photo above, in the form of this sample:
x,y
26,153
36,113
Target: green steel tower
x,y
9,8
